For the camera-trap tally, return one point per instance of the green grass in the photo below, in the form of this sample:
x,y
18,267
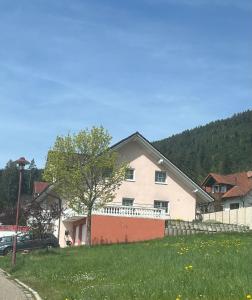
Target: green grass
x,y
221,269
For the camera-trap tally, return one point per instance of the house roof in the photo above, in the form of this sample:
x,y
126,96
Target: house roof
x,y
39,187
241,183
204,197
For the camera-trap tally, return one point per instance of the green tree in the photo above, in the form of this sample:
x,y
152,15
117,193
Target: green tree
x,y
223,146
40,215
32,167
85,171
9,185
32,173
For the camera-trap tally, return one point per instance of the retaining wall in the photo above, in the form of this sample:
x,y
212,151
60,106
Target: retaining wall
x,y
110,229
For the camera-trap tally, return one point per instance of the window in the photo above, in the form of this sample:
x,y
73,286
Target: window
x,y
107,172
127,201
223,189
215,189
160,176
6,239
25,237
219,188
234,205
130,174
161,204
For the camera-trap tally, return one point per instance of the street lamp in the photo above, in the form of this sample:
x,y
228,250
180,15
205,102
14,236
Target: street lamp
x,y
21,162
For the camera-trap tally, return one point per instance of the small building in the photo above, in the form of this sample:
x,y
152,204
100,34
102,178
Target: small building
x,y
153,191
231,191
39,187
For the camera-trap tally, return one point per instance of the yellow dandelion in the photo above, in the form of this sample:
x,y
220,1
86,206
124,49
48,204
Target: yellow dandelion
x,y
249,296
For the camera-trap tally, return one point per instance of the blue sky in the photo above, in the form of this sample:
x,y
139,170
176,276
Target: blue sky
x,y
154,66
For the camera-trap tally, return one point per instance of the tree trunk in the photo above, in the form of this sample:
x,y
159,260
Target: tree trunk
x,y
88,238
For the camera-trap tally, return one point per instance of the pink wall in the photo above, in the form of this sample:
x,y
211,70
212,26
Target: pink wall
x,y
144,190
109,229
78,238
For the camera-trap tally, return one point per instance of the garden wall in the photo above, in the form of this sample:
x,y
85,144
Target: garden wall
x,y
241,216
114,229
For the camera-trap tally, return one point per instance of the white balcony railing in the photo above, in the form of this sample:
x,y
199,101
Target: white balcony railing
x,y
131,211
123,211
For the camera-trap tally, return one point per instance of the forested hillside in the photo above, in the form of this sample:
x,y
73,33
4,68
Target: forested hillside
x,y
222,146
9,179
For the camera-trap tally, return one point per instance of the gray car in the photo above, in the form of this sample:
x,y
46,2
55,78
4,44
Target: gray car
x,y
28,242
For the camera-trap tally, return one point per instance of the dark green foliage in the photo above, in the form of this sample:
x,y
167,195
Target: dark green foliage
x,y
9,180
223,146
9,185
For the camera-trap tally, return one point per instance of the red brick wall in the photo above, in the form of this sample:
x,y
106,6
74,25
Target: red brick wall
x,y
108,229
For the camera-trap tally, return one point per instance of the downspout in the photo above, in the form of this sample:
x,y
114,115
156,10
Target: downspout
x,y
243,201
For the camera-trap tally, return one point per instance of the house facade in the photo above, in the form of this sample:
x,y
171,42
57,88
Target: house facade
x,y
153,191
232,191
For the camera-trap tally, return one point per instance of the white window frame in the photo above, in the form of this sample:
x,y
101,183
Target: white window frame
x,y
161,182
128,199
163,201
134,176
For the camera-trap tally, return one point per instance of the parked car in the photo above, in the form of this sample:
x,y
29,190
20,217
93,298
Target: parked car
x,y
28,242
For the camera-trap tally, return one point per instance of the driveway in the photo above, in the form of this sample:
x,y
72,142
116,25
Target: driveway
x,y
10,290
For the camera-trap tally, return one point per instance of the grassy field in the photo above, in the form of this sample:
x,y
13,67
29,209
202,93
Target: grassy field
x,y
193,267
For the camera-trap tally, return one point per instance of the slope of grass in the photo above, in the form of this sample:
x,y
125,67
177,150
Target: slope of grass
x,y
193,267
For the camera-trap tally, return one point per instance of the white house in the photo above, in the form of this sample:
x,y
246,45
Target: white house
x,y
231,191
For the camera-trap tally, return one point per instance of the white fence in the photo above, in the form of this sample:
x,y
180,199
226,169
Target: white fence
x,y
241,216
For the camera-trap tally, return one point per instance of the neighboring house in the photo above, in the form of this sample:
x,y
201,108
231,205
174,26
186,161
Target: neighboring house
x,y
230,191
154,190
39,187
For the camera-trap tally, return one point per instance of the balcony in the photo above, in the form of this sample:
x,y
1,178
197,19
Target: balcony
x,y
132,211
122,211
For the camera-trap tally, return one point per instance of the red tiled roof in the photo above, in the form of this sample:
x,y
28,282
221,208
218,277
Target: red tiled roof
x,y
227,179
39,187
241,182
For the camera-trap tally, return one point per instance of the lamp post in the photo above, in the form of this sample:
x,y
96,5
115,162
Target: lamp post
x,y
21,162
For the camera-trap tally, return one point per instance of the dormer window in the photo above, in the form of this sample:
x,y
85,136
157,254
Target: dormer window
x,y
223,189
217,188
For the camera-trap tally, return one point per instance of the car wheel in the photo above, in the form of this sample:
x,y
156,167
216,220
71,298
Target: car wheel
x,y
7,251
49,246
